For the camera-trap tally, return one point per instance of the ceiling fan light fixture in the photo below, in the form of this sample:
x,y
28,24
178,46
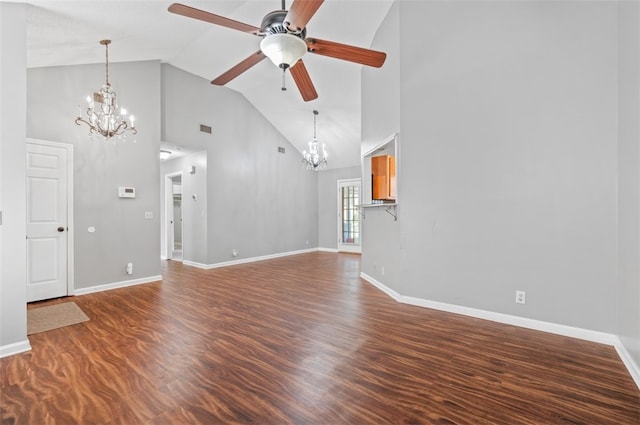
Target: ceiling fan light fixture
x,y
284,50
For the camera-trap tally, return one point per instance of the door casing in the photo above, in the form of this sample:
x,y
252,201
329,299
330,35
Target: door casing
x,y
168,225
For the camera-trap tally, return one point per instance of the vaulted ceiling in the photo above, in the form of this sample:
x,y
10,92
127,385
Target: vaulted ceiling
x,y
68,32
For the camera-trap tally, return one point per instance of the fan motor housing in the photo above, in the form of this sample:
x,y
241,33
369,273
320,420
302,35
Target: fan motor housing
x,y
273,23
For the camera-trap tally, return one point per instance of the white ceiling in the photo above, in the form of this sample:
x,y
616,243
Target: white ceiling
x,y
68,32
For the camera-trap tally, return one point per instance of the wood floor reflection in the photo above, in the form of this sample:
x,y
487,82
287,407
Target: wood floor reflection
x,y
302,340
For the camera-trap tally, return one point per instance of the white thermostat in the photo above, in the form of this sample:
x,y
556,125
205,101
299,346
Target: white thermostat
x,y
126,192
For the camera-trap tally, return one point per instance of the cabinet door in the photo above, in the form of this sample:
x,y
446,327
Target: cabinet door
x,y
383,170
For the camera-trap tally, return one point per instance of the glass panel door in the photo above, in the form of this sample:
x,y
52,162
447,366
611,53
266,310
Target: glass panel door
x,y
349,215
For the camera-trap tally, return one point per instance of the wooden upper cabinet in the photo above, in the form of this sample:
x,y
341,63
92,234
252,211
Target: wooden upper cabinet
x,y
383,178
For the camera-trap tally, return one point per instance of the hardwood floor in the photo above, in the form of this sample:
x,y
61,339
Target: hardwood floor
x,y
302,340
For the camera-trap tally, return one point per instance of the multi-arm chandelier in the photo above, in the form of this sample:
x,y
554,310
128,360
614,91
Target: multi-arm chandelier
x,y
104,115
316,158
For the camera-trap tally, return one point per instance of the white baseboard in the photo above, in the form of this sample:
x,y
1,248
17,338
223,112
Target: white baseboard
x,y
116,285
194,264
15,348
570,331
626,358
328,250
248,260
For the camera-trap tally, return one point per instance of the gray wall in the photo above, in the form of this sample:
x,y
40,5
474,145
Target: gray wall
x,y
328,203
122,233
194,211
381,111
629,177
259,202
13,107
507,177
381,98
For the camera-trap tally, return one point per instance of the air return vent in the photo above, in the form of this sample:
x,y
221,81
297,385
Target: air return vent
x,y
205,128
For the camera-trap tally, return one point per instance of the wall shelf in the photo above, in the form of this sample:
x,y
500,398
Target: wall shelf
x,y
385,204
390,208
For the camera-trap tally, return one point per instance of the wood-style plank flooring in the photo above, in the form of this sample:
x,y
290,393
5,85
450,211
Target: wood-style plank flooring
x,y
302,340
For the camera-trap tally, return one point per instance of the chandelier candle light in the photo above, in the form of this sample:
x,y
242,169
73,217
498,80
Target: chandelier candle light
x,y
104,115
316,158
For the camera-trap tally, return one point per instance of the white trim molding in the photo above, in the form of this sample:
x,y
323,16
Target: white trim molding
x,y
116,285
247,260
632,367
523,322
15,348
334,250
195,264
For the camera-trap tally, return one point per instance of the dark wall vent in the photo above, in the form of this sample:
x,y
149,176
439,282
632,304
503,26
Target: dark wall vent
x,y
205,128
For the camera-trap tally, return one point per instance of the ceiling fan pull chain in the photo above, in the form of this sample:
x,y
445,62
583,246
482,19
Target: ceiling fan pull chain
x,y
284,88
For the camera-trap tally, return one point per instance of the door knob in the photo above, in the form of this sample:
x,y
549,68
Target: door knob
x,y
60,229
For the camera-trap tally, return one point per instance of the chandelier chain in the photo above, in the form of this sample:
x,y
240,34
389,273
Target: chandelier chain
x,y
315,115
106,43
106,63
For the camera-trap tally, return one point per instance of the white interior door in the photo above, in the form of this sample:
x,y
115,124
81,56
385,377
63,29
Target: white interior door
x,y
47,221
349,197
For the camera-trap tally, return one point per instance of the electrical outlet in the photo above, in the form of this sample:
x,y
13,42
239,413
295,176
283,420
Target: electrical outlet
x,y
521,297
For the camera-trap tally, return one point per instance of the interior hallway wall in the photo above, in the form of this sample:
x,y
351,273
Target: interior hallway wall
x,y
629,178
259,202
508,169
194,210
381,114
13,112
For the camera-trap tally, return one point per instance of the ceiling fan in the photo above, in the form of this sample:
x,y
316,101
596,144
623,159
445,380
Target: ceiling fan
x,y
285,41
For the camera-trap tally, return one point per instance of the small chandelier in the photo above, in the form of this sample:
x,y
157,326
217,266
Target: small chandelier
x,y
316,158
104,115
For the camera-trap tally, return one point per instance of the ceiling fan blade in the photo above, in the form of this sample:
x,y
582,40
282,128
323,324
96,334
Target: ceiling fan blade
x,y
303,81
346,52
191,12
239,68
300,13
